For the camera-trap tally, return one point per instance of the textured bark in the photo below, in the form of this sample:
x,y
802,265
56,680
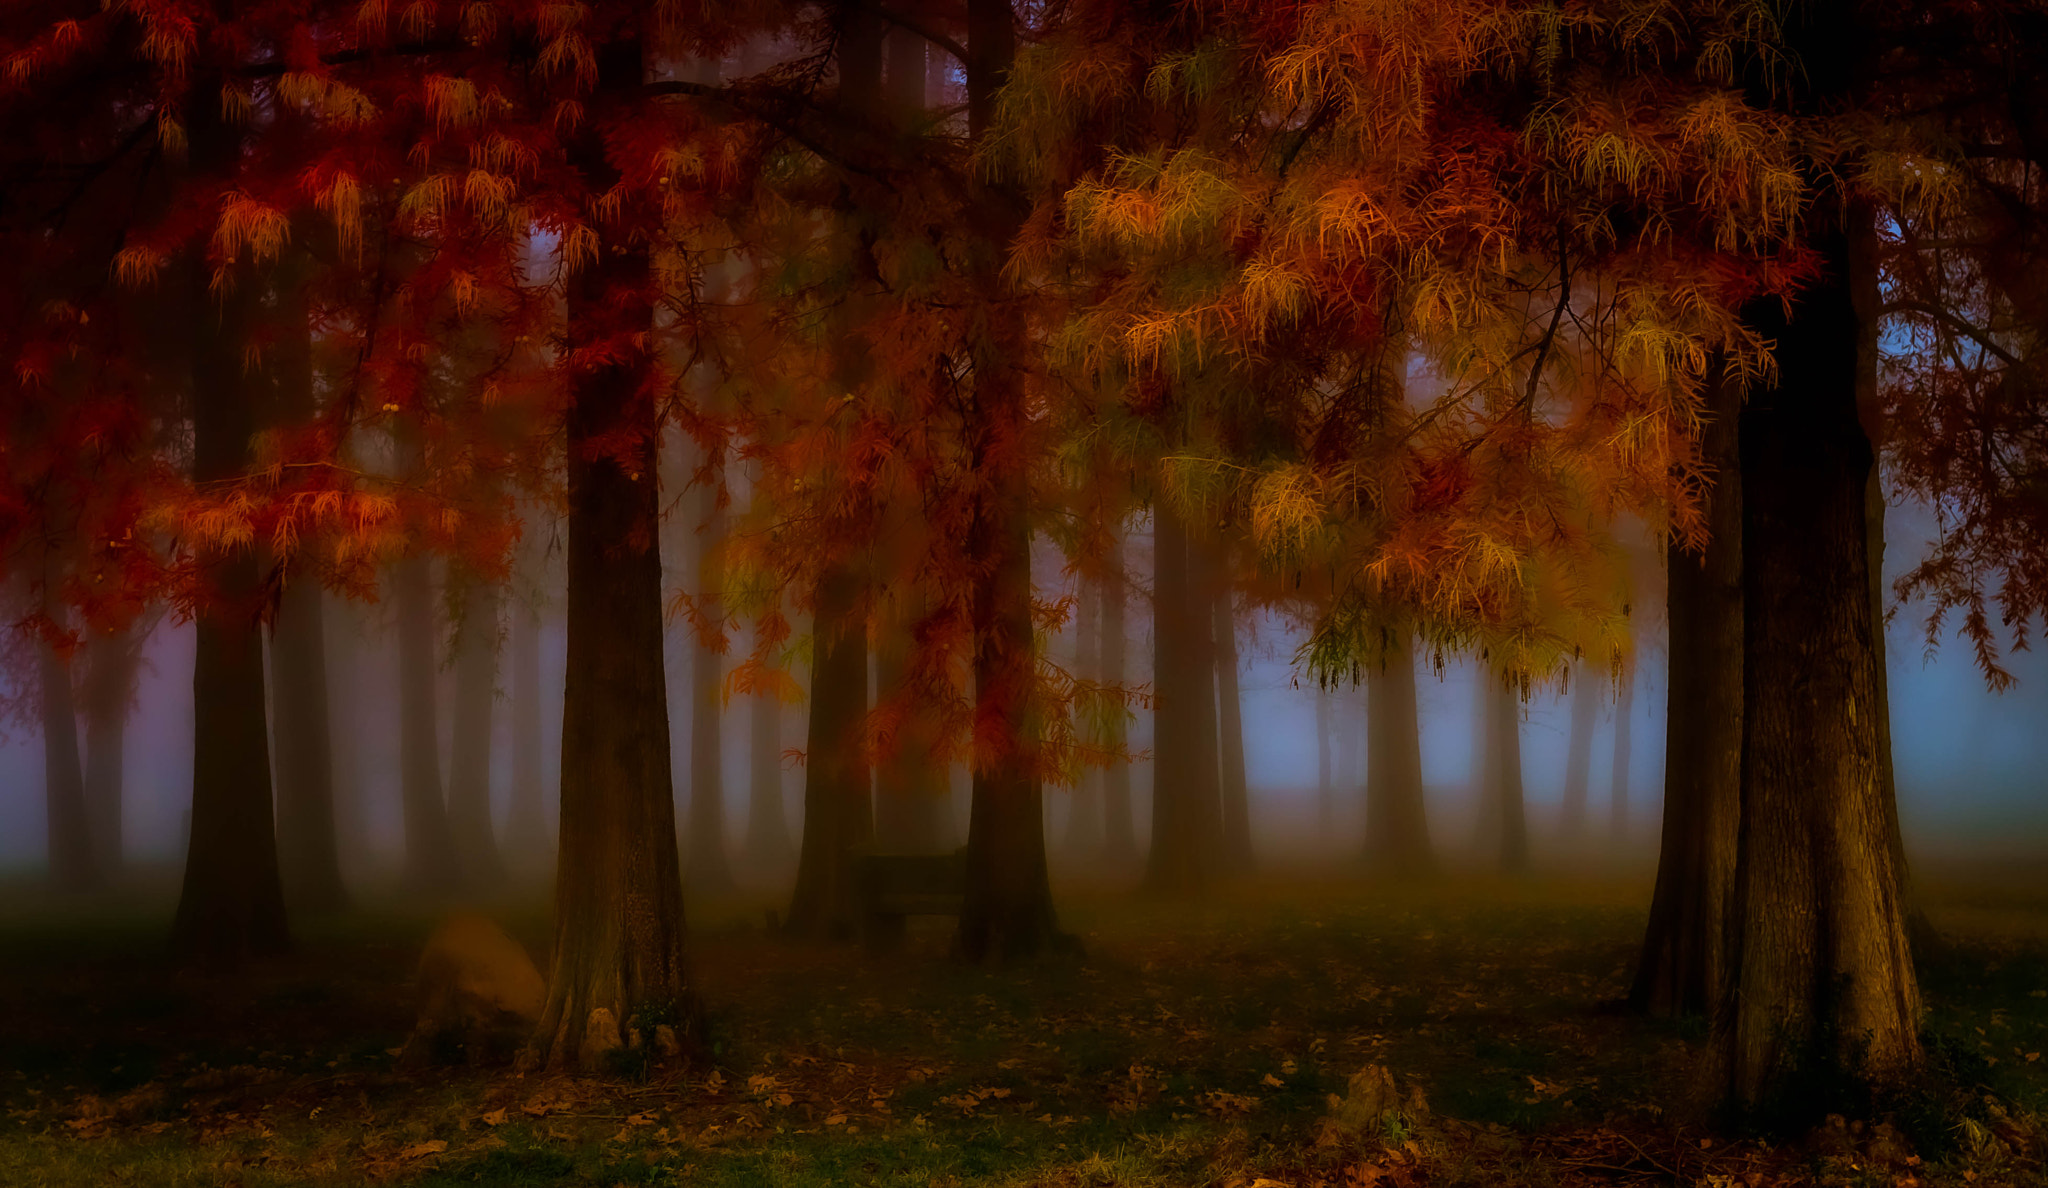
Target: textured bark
x,y
1624,726
707,868
1396,812
231,904
111,662
431,862
1186,821
309,855
619,950
1578,762
1824,972
469,743
838,804
1233,789
526,832
1501,778
1686,950
1119,832
73,861
1084,804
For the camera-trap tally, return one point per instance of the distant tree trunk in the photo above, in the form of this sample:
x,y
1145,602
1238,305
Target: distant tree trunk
x,y
308,855
431,862
1235,795
1624,710
231,905
1578,762
619,953
1326,740
111,664
1824,971
1007,911
767,847
73,860
469,747
1186,814
526,831
344,631
1084,807
1502,779
838,802
1119,833
1396,813
1687,953
707,869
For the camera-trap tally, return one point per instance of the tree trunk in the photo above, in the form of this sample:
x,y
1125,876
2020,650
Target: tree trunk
x,y
1326,742
1686,950
469,744
111,664
1502,780
1183,763
344,631
1624,711
308,856
432,865
231,905
1119,829
73,858
838,804
1396,813
707,869
913,809
619,968
1084,808
1824,974
1578,762
767,847
1234,794
526,831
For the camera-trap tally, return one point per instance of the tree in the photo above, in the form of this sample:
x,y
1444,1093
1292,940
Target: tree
x,y
1234,794
1502,813
1578,764
474,656
1618,788
838,802
1396,813
1186,812
432,864
1326,742
1119,841
706,867
1084,806
74,860
106,696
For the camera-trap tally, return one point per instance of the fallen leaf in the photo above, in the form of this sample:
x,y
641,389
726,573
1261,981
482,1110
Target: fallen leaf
x,y
494,1118
1272,1082
422,1150
835,1120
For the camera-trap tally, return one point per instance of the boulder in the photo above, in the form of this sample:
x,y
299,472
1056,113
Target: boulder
x,y
479,994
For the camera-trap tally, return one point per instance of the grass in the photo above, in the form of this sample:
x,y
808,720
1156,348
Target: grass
x,y
1191,1045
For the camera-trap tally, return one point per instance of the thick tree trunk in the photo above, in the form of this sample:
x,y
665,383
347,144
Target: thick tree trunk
x,y
766,850
1686,951
838,801
1235,795
308,856
707,869
1326,742
73,859
619,969
469,743
1084,807
1184,822
1396,813
111,664
1502,779
1825,976
526,832
432,865
231,905
913,807
1624,724
1119,831
1578,761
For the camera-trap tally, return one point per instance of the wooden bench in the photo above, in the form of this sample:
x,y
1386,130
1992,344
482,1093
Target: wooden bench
x,y
890,888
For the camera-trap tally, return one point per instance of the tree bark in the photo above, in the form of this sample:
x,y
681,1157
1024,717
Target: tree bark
x,y
707,869
1824,974
1687,949
838,802
1186,812
619,967
74,865
1396,812
469,744
1235,795
1624,712
1578,762
1502,778
309,858
1119,833
432,866
111,662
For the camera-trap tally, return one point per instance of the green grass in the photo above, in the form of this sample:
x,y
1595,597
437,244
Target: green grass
x,y
1190,1045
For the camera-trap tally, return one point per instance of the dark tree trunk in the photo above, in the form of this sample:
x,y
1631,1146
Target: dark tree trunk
x,y
431,862
1326,742
619,964
913,807
1624,724
1502,780
344,631
1686,950
707,869
838,802
111,663
231,905
1234,794
1824,973
469,743
766,849
73,861
1578,761
1185,823
1119,832
1084,808
308,856
526,831
1396,814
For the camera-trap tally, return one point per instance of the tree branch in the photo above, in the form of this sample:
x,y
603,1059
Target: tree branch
x,y
1938,314
930,34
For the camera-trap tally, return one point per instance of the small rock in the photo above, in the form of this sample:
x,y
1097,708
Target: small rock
x,y
600,1038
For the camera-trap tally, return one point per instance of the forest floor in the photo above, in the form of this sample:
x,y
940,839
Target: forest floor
x,y
1190,1045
